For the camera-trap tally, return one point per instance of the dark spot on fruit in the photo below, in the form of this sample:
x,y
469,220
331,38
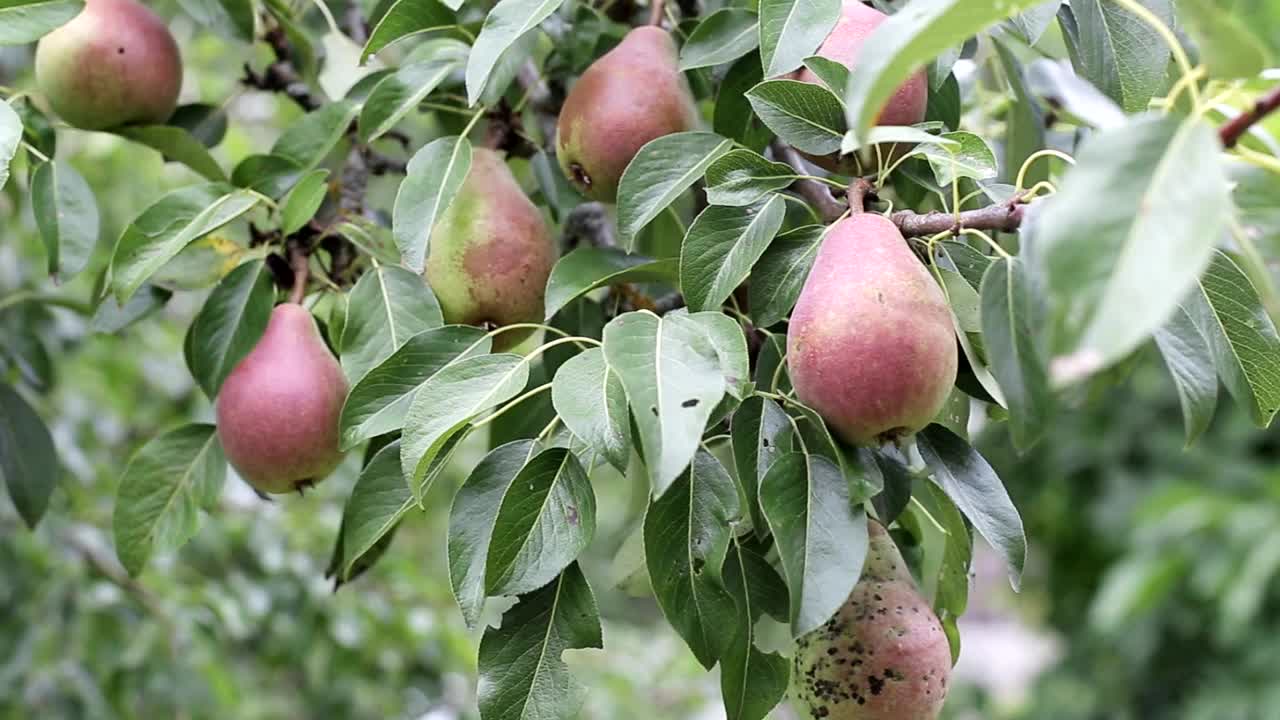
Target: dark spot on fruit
x,y
580,176
119,51
876,684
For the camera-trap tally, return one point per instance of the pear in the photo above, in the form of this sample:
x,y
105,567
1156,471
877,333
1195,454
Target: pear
x,y
278,410
113,64
491,252
871,344
633,94
883,655
907,105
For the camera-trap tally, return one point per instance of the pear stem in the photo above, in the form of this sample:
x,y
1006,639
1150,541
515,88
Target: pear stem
x,y
657,10
858,191
300,263
818,195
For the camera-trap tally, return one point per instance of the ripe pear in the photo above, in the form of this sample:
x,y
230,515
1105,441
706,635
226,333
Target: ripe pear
x,y
491,252
113,64
633,94
278,410
871,344
883,656
907,105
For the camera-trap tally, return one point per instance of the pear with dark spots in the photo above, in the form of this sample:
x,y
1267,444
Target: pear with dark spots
x,y
907,105
113,64
279,408
883,655
491,252
871,344
635,93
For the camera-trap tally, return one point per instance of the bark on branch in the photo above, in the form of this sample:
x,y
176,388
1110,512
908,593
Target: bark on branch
x,y
1240,124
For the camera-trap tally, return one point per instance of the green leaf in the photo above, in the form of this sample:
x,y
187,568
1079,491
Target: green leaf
x,y
308,140
752,683
432,180
908,40
405,18
592,403
1008,335
969,157
1118,52
779,276
230,18
686,536
398,94
206,123
379,401
164,229
973,486
227,328
742,177
36,127
722,246
503,27
1189,357
658,174
303,200
164,487
29,463
832,74
804,115
111,317
792,30
448,400
388,306
760,435
732,116
1032,24
471,522
1025,134
547,517
588,268
10,137
1113,272
270,175
1075,97
673,379
376,505
821,537
1227,310
176,145
521,673
723,36
24,21
726,337
67,215
1228,45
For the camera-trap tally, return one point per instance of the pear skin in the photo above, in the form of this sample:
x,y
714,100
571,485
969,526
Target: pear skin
x,y
909,102
883,656
278,410
113,64
871,344
491,253
633,94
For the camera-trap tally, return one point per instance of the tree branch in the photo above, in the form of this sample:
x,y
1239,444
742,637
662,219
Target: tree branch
x,y
816,193
299,262
1240,124
1005,217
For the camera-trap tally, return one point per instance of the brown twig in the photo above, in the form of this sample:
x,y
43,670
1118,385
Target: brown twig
x,y
1006,217
1240,124
816,193
657,9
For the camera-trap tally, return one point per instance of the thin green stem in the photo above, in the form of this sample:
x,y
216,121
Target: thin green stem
x,y
32,149
500,411
1026,164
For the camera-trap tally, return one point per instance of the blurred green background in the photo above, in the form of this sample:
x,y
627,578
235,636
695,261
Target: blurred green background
x,y
1151,591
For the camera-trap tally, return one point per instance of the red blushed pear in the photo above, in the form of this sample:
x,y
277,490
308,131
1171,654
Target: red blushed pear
x,y
871,344
491,252
909,102
883,655
635,93
278,410
113,64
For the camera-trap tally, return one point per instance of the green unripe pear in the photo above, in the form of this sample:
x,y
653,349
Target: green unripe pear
x,y
883,655
113,64
871,344
635,93
279,408
491,252
844,44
